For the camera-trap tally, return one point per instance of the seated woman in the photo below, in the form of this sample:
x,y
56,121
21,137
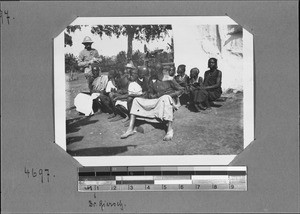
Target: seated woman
x,y
183,80
196,82
211,89
158,106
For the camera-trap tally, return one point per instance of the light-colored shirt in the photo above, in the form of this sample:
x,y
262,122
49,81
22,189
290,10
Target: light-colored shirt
x,y
134,88
100,83
109,87
167,77
85,56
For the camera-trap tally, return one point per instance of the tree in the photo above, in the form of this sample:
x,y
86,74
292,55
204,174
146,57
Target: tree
x,y
138,58
71,63
68,37
138,32
121,60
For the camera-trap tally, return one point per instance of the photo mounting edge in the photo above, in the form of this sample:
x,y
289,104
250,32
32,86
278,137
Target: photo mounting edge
x,y
176,160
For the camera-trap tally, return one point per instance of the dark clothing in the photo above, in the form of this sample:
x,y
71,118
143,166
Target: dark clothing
x,y
182,81
144,83
210,78
194,89
159,88
122,84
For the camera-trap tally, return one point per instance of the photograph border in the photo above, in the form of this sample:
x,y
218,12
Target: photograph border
x,y
248,88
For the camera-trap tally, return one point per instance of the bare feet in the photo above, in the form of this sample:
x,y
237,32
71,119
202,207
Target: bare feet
x,y
208,109
197,108
126,124
126,119
111,116
169,135
117,118
127,134
201,106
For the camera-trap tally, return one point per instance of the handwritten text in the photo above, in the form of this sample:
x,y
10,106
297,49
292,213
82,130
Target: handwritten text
x,y
102,204
43,175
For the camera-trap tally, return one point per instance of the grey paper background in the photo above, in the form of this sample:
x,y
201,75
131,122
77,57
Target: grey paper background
x,y
27,111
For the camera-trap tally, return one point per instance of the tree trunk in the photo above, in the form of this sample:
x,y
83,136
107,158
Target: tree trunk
x,y
219,42
130,34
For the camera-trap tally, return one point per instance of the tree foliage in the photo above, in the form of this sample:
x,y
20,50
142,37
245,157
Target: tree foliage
x,y
137,32
70,29
71,63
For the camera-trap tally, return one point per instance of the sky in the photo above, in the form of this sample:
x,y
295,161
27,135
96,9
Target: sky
x,y
111,46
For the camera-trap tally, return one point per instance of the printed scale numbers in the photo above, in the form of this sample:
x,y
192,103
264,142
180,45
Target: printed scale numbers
x,y
196,183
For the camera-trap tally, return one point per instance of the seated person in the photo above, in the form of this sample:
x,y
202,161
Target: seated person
x,y
134,90
143,77
183,80
110,88
194,87
158,106
171,73
211,89
120,108
90,103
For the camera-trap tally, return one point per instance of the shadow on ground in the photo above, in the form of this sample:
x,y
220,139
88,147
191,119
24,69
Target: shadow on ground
x,y
101,151
73,125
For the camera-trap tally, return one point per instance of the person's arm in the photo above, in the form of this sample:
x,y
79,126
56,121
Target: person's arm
x,y
178,90
151,92
82,62
174,90
218,84
97,57
121,97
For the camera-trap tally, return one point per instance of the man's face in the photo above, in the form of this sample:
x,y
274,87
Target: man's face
x,y
180,71
88,46
127,70
212,64
134,75
95,71
193,74
172,71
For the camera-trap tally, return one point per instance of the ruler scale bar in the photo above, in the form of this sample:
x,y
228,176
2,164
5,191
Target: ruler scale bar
x,y
165,178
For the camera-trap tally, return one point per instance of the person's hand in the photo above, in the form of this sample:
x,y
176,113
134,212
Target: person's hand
x,y
152,96
116,98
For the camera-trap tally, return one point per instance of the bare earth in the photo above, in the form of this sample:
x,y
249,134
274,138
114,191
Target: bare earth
x,y
219,132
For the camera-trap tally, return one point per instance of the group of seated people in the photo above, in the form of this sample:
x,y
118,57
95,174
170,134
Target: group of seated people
x,y
144,93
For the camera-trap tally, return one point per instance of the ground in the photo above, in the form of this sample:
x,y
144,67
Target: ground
x,y
219,132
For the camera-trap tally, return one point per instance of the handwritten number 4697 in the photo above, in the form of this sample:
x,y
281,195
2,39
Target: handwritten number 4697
x,y
43,174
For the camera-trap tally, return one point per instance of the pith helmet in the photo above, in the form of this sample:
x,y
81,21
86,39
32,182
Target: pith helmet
x,y
87,39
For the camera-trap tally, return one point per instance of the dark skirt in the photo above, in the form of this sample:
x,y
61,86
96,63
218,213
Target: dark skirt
x,y
200,95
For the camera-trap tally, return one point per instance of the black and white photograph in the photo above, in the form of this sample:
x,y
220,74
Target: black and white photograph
x,y
171,87
149,106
